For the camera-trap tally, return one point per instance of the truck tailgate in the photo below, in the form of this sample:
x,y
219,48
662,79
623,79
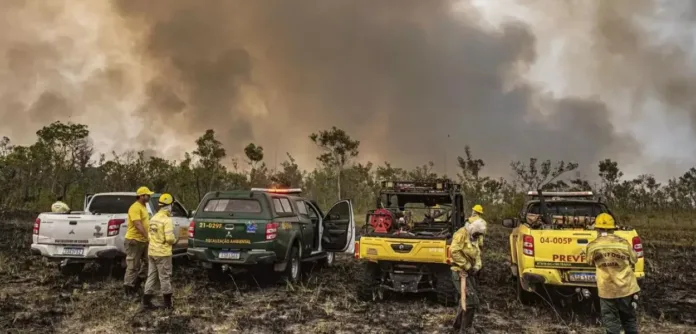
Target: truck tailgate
x,y
232,233
566,249
73,229
561,248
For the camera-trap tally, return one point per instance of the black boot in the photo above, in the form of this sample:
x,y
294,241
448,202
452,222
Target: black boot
x,y
147,302
128,292
168,302
137,286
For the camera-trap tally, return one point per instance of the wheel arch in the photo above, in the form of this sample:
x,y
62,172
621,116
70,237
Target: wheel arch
x,y
295,239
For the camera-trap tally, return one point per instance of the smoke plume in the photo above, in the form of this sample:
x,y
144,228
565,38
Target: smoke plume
x,y
413,80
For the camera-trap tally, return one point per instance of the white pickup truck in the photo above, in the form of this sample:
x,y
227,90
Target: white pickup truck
x,y
97,233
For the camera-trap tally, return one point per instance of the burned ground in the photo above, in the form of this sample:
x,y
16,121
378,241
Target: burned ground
x,y
35,298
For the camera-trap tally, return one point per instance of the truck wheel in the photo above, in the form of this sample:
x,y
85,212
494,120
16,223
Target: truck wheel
x,y
525,297
215,273
368,282
293,271
445,289
328,261
112,268
70,269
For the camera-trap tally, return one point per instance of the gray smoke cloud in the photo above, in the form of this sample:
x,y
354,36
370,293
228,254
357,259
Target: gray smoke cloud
x,y
510,81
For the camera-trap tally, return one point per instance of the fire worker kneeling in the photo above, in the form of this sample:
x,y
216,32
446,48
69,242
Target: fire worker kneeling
x,y
162,238
466,258
616,283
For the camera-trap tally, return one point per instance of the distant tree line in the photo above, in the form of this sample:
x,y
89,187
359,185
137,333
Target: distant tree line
x,y
62,162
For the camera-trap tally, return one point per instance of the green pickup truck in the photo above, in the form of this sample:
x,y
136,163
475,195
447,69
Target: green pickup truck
x,y
268,228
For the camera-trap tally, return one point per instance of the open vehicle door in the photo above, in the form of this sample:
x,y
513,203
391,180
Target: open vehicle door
x,y
339,228
88,197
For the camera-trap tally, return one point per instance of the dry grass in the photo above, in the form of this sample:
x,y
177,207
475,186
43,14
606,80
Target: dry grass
x,y
34,298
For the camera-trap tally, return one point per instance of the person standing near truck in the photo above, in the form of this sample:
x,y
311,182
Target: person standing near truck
x,y
59,206
136,242
466,258
617,285
162,238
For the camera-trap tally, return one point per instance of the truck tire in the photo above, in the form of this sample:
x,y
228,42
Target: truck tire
x,y
293,271
112,268
368,282
215,273
525,297
328,261
445,289
71,269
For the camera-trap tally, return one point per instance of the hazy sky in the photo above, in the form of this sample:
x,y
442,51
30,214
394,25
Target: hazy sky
x,y
580,79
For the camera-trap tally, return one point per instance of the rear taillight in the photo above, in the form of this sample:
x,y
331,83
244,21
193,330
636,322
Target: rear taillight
x,y
638,246
356,251
528,245
113,227
37,224
271,231
192,229
449,255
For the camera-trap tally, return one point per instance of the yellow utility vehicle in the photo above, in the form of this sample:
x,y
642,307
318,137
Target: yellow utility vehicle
x,y
404,245
549,241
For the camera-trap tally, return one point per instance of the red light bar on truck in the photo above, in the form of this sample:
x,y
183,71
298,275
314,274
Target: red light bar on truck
x,y
561,193
279,191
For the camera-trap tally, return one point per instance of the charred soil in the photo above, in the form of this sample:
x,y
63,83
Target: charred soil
x,y
34,297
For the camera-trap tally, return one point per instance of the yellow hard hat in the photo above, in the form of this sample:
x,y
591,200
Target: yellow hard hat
x,y
143,191
166,199
605,221
478,208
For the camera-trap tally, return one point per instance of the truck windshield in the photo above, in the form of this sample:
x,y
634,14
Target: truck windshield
x,y
232,205
583,209
111,204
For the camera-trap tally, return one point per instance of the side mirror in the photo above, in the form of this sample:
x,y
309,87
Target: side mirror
x,y
191,213
510,222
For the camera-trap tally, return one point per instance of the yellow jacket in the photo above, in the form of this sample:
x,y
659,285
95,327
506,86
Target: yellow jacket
x,y
162,235
465,254
613,257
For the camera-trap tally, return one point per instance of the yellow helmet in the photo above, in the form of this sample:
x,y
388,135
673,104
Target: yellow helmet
x,y
143,191
478,208
166,199
605,221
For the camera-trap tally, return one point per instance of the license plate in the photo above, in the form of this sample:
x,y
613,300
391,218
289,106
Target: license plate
x,y
582,277
229,255
73,251
183,233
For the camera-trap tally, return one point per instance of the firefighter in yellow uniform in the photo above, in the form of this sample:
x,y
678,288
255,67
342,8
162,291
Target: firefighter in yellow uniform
x,y
136,242
616,283
466,258
162,238
59,206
